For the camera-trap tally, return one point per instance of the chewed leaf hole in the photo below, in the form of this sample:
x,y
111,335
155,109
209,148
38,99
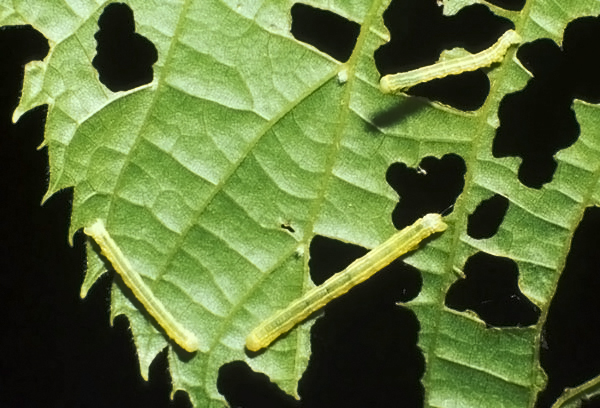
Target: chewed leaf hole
x,y
288,227
366,359
329,256
431,188
538,121
124,58
488,216
324,30
491,290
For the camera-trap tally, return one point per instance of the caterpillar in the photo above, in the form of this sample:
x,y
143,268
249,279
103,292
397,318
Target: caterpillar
x,y
402,81
182,336
358,271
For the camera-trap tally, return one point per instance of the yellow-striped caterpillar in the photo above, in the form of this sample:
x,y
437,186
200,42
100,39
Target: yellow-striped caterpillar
x,y
402,81
363,268
182,336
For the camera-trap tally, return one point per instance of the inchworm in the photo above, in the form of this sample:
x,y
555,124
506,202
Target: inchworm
x,y
404,80
186,339
363,268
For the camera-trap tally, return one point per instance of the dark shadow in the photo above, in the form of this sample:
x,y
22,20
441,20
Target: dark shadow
x,y
124,59
487,217
396,114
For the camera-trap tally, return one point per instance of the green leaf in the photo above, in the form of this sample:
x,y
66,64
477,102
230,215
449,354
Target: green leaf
x,y
572,397
244,130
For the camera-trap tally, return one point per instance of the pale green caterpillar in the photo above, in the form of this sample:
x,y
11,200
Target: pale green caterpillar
x,y
363,268
186,339
402,81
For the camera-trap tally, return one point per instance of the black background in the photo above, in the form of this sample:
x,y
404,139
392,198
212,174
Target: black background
x,y
60,351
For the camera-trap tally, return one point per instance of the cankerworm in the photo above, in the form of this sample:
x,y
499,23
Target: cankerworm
x,y
186,339
404,80
363,268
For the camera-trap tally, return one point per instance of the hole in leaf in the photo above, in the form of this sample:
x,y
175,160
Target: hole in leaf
x,y
364,350
329,256
581,46
124,59
288,227
419,33
242,387
466,91
368,360
431,188
324,30
488,216
538,121
491,290
514,5
572,352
